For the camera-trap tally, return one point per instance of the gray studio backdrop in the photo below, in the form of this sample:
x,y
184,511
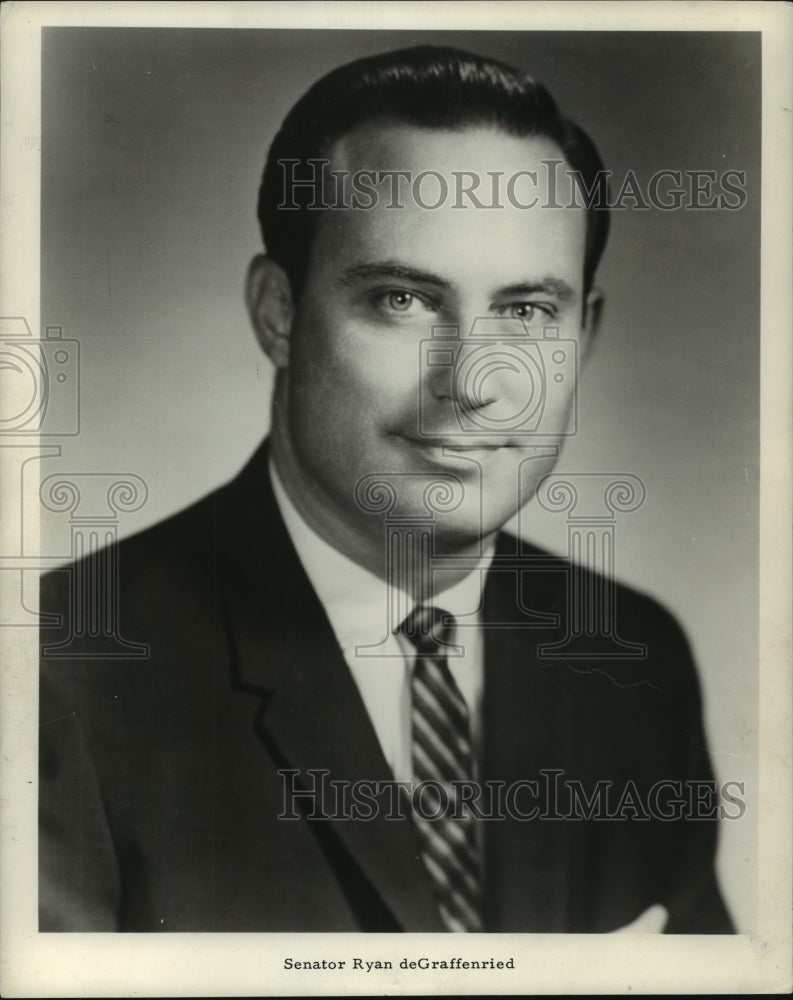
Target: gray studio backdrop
x,y
153,143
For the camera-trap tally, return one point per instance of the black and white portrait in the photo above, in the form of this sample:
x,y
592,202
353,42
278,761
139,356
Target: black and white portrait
x,y
387,454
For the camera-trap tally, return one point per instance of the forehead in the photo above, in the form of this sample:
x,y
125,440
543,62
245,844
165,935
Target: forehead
x,y
489,234
389,144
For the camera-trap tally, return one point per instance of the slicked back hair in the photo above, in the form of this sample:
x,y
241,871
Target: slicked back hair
x,y
428,87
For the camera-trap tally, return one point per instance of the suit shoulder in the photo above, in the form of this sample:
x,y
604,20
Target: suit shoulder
x,y
622,632
186,538
548,565
180,537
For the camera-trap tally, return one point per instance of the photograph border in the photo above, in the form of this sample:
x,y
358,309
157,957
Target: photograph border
x,y
33,964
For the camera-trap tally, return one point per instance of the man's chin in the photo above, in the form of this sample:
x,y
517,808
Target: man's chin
x,y
466,532
460,510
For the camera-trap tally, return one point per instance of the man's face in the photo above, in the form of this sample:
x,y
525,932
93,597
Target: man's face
x,y
362,397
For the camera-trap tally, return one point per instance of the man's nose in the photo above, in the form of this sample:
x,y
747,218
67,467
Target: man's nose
x,y
443,361
475,379
488,368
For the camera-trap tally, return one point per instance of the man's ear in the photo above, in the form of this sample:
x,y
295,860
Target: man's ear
x,y
268,297
593,309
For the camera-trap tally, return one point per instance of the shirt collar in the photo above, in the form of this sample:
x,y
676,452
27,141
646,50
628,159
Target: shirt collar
x,y
355,600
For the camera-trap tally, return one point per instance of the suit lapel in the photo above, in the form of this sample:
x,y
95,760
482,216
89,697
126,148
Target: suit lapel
x,y
525,724
311,715
336,735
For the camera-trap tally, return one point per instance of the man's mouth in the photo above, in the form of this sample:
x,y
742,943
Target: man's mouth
x,y
458,444
439,448
455,446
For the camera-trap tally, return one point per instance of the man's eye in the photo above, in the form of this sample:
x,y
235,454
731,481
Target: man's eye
x,y
400,301
527,311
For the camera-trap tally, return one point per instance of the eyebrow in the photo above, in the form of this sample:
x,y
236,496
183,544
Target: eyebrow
x,y
548,285
391,269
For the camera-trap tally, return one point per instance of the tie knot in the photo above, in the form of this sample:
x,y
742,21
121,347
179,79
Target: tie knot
x,y
429,629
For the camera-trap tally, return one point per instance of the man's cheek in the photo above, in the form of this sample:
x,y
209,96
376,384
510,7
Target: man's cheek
x,y
382,383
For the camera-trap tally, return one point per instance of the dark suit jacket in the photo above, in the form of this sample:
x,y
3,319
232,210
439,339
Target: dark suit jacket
x,y
159,784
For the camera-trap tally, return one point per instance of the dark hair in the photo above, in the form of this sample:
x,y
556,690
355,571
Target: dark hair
x,y
427,86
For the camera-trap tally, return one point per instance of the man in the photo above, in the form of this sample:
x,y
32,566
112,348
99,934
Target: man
x,y
352,717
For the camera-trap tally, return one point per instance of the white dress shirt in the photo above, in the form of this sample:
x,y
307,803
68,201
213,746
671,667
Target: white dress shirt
x,y
356,603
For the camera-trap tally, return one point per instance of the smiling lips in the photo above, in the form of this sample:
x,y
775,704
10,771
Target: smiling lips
x,y
465,447
455,445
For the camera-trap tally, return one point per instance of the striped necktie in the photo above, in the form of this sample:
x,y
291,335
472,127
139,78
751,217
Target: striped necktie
x,y
441,746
